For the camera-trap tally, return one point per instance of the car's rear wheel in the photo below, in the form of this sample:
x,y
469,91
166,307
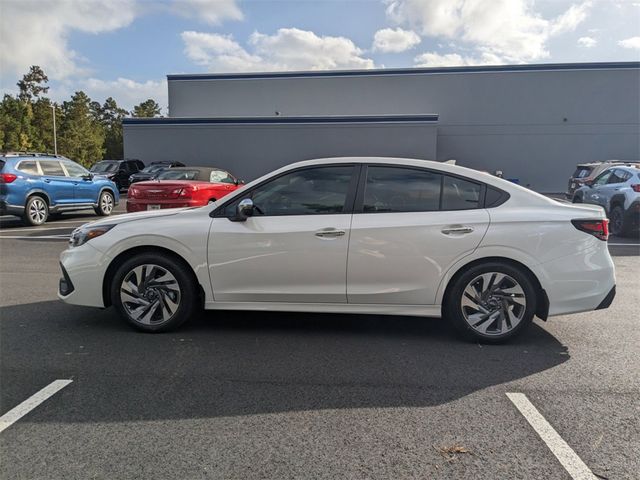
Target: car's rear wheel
x,y
36,211
106,202
616,222
491,302
153,293
577,198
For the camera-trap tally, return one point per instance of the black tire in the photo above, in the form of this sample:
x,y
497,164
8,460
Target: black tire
x,y
454,310
616,222
36,211
577,199
106,204
186,284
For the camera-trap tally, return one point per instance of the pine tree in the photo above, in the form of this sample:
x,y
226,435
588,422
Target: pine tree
x,y
33,84
111,119
15,124
81,136
148,108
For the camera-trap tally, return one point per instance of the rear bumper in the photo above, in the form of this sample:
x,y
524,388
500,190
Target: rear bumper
x,y
8,209
608,300
134,205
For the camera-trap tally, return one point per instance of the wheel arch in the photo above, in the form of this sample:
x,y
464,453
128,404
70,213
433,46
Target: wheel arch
x,y
616,200
108,189
542,300
38,193
131,252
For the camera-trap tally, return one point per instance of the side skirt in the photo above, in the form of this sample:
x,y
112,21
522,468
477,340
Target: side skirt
x,y
371,309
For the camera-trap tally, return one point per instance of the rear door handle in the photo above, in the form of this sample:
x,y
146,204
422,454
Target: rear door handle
x,y
329,233
46,180
456,230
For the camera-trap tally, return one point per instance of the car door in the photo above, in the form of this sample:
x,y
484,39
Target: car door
x,y
595,194
84,189
58,186
615,182
409,226
294,248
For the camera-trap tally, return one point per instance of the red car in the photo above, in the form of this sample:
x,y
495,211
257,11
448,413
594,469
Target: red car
x,y
181,187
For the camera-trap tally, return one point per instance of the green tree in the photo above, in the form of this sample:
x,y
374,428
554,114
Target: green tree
x,y
111,119
33,84
15,124
42,124
148,108
81,136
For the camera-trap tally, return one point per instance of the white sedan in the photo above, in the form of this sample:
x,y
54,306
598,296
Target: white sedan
x,y
356,235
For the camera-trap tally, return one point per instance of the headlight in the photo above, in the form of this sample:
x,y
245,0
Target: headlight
x,y
83,234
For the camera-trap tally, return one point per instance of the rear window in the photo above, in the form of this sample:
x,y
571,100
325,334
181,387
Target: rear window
x,y
154,168
179,175
1,164
459,194
582,172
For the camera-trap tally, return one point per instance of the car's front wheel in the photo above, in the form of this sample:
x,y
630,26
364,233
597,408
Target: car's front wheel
x,y
36,211
491,302
106,202
154,293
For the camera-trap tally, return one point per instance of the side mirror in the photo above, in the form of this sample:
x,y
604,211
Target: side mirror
x,y
244,210
88,176
239,182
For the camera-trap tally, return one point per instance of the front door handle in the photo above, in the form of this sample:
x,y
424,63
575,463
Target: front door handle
x,y
456,230
329,233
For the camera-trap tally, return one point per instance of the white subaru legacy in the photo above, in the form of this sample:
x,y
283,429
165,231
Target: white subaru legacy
x,y
355,235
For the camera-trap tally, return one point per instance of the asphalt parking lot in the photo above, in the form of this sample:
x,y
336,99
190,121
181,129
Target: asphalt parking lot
x,y
243,395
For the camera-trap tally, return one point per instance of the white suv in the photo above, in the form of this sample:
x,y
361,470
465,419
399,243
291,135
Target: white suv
x,y
617,190
353,235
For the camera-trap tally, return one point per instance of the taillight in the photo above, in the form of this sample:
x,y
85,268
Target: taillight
x,y
597,228
7,177
181,193
636,187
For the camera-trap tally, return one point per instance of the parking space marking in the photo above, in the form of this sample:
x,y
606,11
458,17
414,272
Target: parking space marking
x,y
30,403
563,452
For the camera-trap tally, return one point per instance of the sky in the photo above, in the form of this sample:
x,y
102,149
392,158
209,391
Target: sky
x,y
125,48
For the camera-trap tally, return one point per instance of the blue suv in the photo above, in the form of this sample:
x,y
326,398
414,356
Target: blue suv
x,y
33,186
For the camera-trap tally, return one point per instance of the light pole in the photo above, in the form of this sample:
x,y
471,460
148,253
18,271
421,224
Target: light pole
x,y
55,140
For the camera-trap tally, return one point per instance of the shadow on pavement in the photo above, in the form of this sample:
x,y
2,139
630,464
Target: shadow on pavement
x,y
238,363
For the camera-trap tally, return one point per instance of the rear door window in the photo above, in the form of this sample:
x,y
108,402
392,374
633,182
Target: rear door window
x,y
395,189
75,170
29,167
582,172
52,168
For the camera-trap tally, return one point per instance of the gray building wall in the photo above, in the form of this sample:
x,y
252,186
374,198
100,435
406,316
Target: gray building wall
x,y
249,151
532,122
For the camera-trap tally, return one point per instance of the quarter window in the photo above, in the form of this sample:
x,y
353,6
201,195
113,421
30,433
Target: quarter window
x,y
29,167
393,189
311,191
51,168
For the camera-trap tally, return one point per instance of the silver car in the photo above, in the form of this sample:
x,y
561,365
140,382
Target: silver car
x,y
617,190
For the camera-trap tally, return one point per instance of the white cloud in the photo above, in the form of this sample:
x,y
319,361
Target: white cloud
x,y
633,42
288,49
434,59
212,12
127,92
35,32
398,40
587,42
509,29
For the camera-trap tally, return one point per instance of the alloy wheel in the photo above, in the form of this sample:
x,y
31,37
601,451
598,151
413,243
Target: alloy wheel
x,y
616,221
37,211
150,294
106,203
493,303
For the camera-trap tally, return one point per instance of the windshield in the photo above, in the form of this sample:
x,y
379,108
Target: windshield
x,y
154,168
178,175
104,167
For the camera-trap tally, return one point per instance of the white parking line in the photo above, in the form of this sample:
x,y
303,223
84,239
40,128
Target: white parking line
x,y
30,403
563,452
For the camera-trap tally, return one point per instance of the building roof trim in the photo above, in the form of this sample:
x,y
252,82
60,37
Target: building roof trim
x,y
282,120
409,71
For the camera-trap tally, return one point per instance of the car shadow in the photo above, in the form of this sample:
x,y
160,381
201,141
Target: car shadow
x,y
237,363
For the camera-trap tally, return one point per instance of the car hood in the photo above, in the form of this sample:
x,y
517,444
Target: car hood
x,y
130,217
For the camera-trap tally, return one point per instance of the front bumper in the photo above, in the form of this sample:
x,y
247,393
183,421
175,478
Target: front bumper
x,y
83,271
